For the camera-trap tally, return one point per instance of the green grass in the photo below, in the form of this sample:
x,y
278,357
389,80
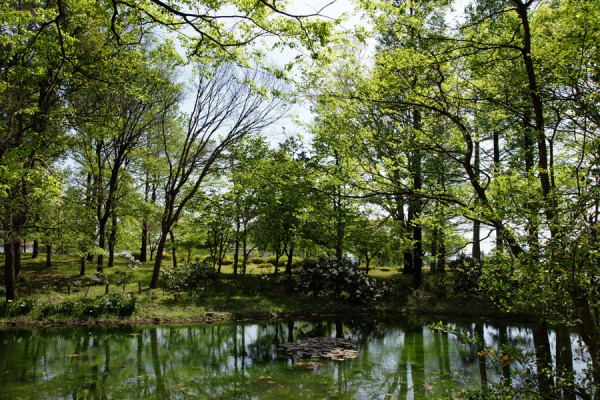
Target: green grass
x,y
257,294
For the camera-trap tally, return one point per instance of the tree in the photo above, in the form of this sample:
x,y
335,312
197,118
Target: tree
x,y
246,160
282,201
523,193
369,238
124,114
32,67
229,105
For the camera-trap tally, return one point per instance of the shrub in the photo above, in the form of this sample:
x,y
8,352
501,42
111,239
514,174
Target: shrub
x,y
122,277
257,260
273,259
16,308
111,304
190,278
466,275
227,261
325,276
116,304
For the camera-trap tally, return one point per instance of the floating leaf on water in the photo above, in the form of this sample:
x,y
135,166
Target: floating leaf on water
x,y
338,349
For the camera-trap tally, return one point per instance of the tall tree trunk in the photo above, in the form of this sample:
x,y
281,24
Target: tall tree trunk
x,y
144,244
160,248
173,248
441,256
236,251
418,206
339,226
82,261
244,248
476,249
482,359
434,250
564,362
17,257
10,280
112,241
290,254
496,151
101,247
36,249
48,255
543,358
503,341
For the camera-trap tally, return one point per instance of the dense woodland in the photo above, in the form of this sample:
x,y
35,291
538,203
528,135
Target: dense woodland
x,y
437,135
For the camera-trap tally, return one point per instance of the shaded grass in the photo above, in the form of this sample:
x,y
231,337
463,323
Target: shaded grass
x,y
257,294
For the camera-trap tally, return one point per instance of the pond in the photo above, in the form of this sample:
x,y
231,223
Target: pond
x,y
400,358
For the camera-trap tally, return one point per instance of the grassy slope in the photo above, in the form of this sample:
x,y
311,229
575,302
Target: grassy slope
x,y
258,294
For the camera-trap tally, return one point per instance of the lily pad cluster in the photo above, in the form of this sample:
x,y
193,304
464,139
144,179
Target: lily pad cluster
x,y
338,349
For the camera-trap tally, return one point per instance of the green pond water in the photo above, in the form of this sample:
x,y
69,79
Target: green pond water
x,y
397,358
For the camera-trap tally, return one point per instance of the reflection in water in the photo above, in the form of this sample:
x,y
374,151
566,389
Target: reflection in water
x,y
397,358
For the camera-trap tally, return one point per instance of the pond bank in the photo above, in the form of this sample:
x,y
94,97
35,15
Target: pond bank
x,y
448,311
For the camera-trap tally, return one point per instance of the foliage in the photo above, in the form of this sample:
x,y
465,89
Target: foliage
x,y
16,308
345,280
110,305
190,278
257,260
466,275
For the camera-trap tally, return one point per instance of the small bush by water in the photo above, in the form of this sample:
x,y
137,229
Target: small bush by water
x,y
345,280
110,305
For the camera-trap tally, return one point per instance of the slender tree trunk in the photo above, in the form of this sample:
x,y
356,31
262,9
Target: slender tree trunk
x,y
10,280
278,254
409,254
101,247
112,241
158,259
482,360
407,267
441,256
144,244
502,341
48,255
543,360
434,250
36,249
17,257
290,254
418,206
236,251
476,249
496,151
82,265
339,227
173,248
564,362
244,249
367,263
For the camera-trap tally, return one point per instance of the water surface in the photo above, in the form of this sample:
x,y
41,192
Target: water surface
x,y
397,358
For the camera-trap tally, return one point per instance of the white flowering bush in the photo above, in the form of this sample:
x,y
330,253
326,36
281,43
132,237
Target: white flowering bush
x,y
16,308
328,277
187,278
109,305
